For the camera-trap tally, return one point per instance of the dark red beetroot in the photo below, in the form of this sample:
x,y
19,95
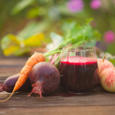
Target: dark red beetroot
x,y
9,83
45,79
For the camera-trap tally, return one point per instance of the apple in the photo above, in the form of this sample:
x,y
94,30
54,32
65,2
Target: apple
x,y
106,73
108,79
103,64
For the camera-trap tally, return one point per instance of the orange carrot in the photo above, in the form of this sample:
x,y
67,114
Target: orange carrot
x,y
34,59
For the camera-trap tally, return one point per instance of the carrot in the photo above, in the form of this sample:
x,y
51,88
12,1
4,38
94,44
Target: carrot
x,y
34,59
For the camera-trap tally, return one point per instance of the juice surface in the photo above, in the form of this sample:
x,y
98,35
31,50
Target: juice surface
x,y
78,73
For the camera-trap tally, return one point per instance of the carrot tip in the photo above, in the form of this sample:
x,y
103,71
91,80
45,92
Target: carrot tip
x,y
4,100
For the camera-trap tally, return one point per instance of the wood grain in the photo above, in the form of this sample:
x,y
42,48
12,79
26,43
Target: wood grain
x,y
88,110
10,66
98,102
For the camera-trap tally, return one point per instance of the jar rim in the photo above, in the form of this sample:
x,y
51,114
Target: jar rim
x,y
81,48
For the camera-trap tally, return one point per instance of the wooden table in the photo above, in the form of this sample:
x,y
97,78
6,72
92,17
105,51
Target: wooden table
x,y
97,103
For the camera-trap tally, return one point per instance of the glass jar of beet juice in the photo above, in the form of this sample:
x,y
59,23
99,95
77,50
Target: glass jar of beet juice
x,y
78,68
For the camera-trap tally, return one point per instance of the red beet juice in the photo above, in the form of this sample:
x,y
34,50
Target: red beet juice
x,y
78,73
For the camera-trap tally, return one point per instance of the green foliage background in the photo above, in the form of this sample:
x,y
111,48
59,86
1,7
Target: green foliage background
x,y
19,17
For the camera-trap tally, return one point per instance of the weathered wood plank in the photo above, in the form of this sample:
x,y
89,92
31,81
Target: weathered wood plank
x,y
10,66
20,100
12,61
5,72
89,110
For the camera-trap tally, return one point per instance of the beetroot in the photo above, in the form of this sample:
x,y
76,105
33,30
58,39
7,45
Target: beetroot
x,y
9,83
45,79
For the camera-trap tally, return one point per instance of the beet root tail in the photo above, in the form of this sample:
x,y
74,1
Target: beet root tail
x,y
37,89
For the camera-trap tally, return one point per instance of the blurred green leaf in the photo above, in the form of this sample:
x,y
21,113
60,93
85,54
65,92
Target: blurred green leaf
x,y
67,28
55,36
10,44
21,5
112,61
76,31
32,13
8,40
35,40
31,29
10,50
21,51
111,48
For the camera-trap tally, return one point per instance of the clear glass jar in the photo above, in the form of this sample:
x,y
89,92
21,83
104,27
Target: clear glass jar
x,y
78,68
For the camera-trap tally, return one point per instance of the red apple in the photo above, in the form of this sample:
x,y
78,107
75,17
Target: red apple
x,y
108,79
103,64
